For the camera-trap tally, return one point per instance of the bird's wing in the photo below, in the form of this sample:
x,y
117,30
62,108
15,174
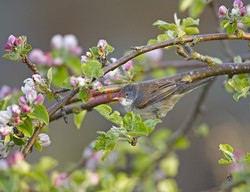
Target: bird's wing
x,y
153,93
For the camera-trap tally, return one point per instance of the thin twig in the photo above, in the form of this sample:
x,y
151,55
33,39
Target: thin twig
x,y
30,65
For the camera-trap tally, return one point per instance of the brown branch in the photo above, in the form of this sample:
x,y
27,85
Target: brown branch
x,y
198,74
199,38
30,65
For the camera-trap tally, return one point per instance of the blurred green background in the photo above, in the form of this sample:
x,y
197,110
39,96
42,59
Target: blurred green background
x,y
124,24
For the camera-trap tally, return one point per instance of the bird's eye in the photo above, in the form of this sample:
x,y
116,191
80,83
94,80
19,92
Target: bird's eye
x,y
126,94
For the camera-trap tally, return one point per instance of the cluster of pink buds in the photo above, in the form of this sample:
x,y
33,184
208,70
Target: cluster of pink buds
x,y
77,81
238,10
67,42
44,58
11,43
64,43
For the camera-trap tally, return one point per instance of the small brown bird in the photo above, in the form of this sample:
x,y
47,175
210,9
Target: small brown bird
x,y
155,98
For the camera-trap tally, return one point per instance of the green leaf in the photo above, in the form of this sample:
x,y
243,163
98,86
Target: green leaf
x,y
231,28
182,143
202,130
224,23
170,165
189,22
109,49
245,20
224,162
78,118
191,30
50,75
26,127
92,68
47,163
83,95
106,110
40,113
38,145
150,124
226,148
185,4
26,49
59,76
6,56
197,8
17,140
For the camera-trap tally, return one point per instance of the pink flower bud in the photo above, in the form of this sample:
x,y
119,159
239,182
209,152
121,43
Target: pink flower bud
x,y
45,140
222,11
17,120
238,3
97,85
76,51
155,55
61,179
37,79
25,108
128,66
37,56
5,130
56,41
84,59
22,100
73,81
58,61
243,11
7,47
39,99
102,43
15,158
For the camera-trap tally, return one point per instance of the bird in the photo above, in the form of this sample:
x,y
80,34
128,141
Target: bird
x,y
155,98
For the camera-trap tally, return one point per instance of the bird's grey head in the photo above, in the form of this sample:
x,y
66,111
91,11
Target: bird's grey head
x,y
128,94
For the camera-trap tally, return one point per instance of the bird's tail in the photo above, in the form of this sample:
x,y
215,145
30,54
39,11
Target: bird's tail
x,y
187,87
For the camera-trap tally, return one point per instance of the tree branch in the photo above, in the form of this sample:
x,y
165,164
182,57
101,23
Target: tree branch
x,y
30,65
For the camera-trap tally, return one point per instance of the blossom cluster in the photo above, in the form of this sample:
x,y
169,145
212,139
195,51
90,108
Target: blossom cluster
x,y
11,43
238,10
11,117
67,44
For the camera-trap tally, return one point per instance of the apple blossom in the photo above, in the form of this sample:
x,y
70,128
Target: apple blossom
x,y
39,99
5,130
238,4
25,108
38,56
38,79
12,41
57,41
5,91
45,140
84,59
5,116
69,41
128,66
102,44
155,55
22,100
97,85
14,110
80,81
222,11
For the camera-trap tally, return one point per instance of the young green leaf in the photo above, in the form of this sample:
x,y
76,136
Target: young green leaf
x,y
92,68
78,118
50,75
40,113
26,127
